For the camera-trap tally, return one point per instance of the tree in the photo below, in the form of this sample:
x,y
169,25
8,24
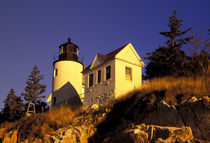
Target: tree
x,y
175,35
34,89
41,107
13,107
170,60
199,55
1,118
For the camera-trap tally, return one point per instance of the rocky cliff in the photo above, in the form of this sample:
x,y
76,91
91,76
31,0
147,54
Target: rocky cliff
x,y
133,119
168,121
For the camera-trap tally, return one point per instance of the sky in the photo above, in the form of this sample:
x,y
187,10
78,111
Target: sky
x,y
32,30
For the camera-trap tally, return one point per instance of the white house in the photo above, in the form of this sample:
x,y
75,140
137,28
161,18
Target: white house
x,y
107,78
112,75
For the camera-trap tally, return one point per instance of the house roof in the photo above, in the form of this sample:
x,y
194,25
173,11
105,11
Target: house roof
x,y
108,56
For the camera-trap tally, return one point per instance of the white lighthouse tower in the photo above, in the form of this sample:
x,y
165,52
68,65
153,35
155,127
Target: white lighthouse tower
x,y
67,88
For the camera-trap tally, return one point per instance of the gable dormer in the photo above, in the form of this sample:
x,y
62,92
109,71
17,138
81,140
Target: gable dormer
x,y
99,59
126,53
129,54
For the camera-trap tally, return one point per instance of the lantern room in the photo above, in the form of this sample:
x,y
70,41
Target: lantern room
x,y
68,51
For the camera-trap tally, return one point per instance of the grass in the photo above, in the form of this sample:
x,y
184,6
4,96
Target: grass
x,y
40,125
48,122
170,89
62,115
197,85
178,88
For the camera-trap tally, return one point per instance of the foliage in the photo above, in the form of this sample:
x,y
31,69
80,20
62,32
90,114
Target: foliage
x,y
199,55
13,107
175,33
170,59
34,88
1,118
166,61
41,107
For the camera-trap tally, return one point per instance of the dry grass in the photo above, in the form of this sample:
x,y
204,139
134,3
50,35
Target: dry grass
x,y
62,115
177,88
197,85
42,124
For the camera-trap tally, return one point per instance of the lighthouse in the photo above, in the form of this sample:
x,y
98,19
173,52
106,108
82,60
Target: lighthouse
x,y
67,87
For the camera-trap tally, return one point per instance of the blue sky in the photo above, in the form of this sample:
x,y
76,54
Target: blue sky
x,y
31,31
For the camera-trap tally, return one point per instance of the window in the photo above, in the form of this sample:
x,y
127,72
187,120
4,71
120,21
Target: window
x,y
61,50
74,51
90,80
108,72
54,100
68,50
128,73
64,50
99,76
55,72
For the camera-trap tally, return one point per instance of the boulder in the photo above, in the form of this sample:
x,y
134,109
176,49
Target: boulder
x,y
196,114
152,133
162,114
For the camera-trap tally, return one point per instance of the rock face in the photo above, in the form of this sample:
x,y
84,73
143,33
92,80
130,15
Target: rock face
x,y
194,114
79,131
150,133
161,114
72,134
134,120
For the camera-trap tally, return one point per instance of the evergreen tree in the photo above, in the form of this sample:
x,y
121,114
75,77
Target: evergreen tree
x,y
13,106
175,34
1,118
41,107
34,89
170,60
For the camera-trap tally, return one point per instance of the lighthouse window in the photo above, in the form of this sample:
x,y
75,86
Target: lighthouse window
x,y
61,50
68,50
75,50
90,80
64,49
108,72
55,72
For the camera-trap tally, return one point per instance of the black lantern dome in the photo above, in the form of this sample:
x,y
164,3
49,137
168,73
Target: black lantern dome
x,y
68,51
